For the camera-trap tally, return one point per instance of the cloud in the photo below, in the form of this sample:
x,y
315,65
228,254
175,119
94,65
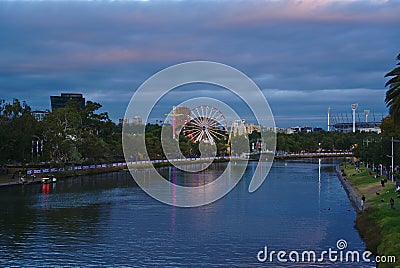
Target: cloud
x,y
311,52
256,13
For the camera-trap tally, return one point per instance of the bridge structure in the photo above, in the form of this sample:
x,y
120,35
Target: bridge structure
x,y
314,154
40,172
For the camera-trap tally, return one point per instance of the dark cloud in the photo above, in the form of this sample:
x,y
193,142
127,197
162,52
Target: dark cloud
x,y
305,55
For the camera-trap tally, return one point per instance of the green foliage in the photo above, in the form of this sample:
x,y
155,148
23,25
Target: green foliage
x,y
393,94
239,145
378,224
377,149
315,141
369,229
69,135
17,126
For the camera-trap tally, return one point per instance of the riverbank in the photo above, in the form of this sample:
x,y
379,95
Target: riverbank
x,y
351,194
7,180
378,224
76,171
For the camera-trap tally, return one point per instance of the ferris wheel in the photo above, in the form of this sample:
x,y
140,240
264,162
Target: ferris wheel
x,y
206,124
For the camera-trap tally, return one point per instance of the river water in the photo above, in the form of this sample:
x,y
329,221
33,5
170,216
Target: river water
x,y
107,221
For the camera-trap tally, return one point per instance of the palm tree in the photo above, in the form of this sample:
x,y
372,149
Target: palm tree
x,y
392,99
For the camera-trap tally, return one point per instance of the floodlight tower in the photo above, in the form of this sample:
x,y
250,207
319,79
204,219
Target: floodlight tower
x,y
366,112
354,107
329,116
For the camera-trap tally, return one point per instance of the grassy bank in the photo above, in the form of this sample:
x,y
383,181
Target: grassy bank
x,y
378,224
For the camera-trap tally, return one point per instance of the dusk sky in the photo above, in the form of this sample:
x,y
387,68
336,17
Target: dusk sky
x,y
305,55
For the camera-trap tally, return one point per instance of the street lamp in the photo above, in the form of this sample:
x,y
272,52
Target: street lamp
x,y
392,156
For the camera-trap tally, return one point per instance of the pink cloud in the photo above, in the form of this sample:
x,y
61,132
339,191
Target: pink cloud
x,y
254,13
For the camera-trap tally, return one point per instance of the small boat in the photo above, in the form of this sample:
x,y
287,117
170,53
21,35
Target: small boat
x,y
49,179
22,180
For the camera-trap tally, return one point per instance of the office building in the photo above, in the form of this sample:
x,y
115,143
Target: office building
x,y
61,101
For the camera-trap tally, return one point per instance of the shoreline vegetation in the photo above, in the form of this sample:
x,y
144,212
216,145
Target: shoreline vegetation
x,y
377,223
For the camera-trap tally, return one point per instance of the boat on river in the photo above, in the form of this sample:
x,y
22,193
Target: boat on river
x,y
49,179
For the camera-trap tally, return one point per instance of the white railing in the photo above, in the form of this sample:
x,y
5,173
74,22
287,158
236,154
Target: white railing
x,y
141,162
119,164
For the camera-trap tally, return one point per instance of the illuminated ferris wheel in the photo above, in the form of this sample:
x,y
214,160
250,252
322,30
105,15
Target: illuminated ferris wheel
x,y
206,124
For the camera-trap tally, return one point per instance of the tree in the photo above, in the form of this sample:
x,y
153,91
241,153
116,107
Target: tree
x,y
72,134
62,133
390,128
392,99
75,135
17,129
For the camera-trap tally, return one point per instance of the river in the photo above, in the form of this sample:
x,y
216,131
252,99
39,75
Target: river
x,y
107,221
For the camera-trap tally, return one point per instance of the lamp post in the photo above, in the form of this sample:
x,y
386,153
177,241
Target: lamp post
x,y
392,156
329,115
37,146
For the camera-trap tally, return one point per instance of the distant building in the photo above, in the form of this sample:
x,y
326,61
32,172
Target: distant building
x,y
295,129
251,127
123,121
280,130
306,129
39,115
360,127
136,120
238,128
298,129
354,122
182,115
61,101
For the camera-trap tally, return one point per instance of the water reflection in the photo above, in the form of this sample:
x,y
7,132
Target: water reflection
x,y
106,220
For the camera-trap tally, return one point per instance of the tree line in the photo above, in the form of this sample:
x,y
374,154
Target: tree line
x,y
75,135
67,135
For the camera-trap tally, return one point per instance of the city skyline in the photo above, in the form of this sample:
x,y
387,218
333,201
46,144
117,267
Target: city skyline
x,y
305,56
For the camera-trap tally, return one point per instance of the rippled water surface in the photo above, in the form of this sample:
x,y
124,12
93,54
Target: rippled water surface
x,y
106,220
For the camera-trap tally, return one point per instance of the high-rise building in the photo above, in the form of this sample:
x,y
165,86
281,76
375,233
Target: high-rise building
x,y
61,101
182,115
